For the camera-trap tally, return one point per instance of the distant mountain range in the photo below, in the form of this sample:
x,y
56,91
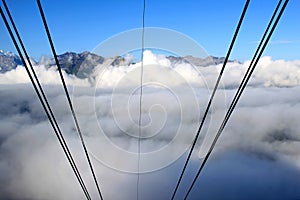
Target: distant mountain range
x,y
8,61
83,64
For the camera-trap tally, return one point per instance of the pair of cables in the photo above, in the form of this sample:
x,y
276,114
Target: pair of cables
x,y
43,98
258,53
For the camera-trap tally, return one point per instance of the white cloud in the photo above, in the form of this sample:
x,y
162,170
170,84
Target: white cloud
x,y
258,151
46,76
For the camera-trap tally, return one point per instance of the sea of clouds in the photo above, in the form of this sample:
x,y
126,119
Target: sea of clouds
x,y
257,156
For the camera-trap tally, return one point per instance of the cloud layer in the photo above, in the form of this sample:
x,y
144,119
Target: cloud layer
x,y
257,156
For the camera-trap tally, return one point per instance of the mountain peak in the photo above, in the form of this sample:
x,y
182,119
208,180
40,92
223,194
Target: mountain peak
x,y
7,53
8,61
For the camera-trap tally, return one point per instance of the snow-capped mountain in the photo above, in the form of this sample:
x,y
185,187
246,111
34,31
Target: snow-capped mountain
x,y
8,61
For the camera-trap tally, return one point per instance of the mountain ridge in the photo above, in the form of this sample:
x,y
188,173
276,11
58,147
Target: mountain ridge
x,y
82,64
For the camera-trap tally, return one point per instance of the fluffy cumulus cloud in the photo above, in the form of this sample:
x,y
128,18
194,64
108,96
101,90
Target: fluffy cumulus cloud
x,y
257,156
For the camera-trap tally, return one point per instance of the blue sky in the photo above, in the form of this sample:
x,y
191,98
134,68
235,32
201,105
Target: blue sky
x,y
81,25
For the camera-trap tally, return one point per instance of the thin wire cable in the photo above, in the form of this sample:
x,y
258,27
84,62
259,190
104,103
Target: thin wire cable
x,y
52,121
141,99
236,100
68,98
211,97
